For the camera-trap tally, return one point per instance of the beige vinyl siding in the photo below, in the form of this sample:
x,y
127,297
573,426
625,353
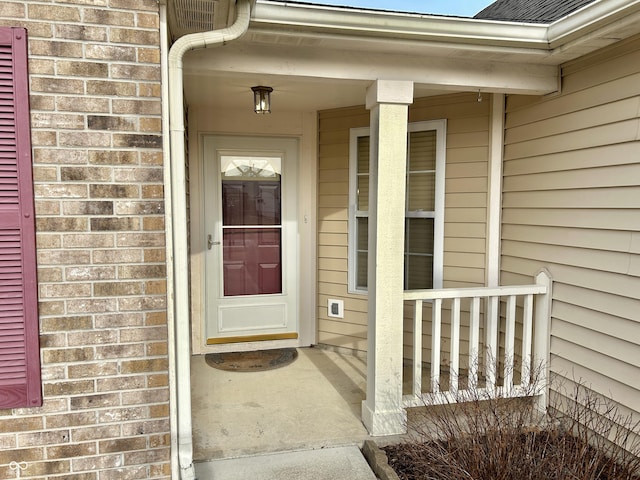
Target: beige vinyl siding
x,y
333,202
465,207
571,203
465,185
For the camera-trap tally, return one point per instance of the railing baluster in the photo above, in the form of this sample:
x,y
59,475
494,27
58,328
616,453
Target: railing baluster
x,y
527,339
484,300
474,343
491,326
417,349
509,343
436,342
454,358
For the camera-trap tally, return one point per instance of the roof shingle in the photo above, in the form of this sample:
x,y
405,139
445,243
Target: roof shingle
x,y
530,11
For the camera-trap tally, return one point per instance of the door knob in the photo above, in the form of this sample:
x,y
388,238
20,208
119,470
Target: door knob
x,y
210,242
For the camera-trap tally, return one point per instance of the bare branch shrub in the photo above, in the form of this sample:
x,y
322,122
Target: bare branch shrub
x,y
606,441
479,435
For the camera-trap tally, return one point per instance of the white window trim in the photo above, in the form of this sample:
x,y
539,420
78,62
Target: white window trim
x,y
440,126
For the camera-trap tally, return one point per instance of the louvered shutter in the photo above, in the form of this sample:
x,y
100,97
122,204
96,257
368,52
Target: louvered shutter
x,y
19,346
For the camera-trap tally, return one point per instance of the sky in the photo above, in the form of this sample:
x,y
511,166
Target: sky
x,y
463,8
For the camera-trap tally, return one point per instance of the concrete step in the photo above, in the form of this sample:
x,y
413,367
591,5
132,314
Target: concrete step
x,y
323,464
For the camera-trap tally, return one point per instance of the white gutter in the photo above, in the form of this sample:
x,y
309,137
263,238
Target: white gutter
x,y
321,20
178,259
374,23
589,18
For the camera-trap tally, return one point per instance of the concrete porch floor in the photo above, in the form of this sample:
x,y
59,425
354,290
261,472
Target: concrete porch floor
x,y
313,403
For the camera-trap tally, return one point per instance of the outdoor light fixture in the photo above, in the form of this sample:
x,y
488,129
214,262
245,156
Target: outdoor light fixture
x,y
262,99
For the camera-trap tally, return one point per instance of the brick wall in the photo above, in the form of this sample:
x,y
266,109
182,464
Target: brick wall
x,y
95,110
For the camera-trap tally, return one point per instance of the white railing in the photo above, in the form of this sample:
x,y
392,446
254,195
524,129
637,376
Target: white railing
x,y
535,342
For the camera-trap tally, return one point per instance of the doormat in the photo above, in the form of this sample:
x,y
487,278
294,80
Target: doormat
x,y
257,361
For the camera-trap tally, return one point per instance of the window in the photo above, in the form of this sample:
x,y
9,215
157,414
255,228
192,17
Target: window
x,y
19,348
424,206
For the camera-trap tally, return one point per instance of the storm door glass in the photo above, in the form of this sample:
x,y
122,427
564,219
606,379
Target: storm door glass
x,y
251,225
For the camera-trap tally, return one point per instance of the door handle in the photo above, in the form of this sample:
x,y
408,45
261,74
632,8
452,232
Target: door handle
x,y
210,242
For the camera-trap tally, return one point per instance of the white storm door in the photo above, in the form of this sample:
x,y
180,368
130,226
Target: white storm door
x,y
251,260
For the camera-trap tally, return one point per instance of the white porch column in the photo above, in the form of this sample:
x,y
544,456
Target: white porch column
x,y
388,101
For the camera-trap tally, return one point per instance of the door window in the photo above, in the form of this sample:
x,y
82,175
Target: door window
x,y
251,225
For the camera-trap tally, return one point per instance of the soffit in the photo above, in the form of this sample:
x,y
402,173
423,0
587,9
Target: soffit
x,y
192,16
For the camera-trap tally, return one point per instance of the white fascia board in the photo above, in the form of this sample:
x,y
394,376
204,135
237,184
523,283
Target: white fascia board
x,y
327,19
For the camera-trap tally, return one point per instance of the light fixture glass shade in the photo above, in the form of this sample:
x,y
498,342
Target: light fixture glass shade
x,y
262,99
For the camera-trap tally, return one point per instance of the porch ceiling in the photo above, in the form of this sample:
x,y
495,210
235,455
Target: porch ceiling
x,y
324,57
314,73
225,90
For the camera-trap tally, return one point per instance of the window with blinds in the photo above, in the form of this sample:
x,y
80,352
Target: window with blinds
x,y
424,206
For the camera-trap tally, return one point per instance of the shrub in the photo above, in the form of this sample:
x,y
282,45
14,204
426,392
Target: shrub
x,y
583,437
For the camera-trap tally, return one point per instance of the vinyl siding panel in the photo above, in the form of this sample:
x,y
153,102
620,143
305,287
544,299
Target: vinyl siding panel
x,y
621,392
465,206
624,197
589,178
341,340
591,94
621,350
353,330
599,286
600,323
618,154
586,218
626,131
600,363
571,237
618,111
571,203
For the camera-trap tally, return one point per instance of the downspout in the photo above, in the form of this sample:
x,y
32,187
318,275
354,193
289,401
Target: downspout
x,y
166,159
175,184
